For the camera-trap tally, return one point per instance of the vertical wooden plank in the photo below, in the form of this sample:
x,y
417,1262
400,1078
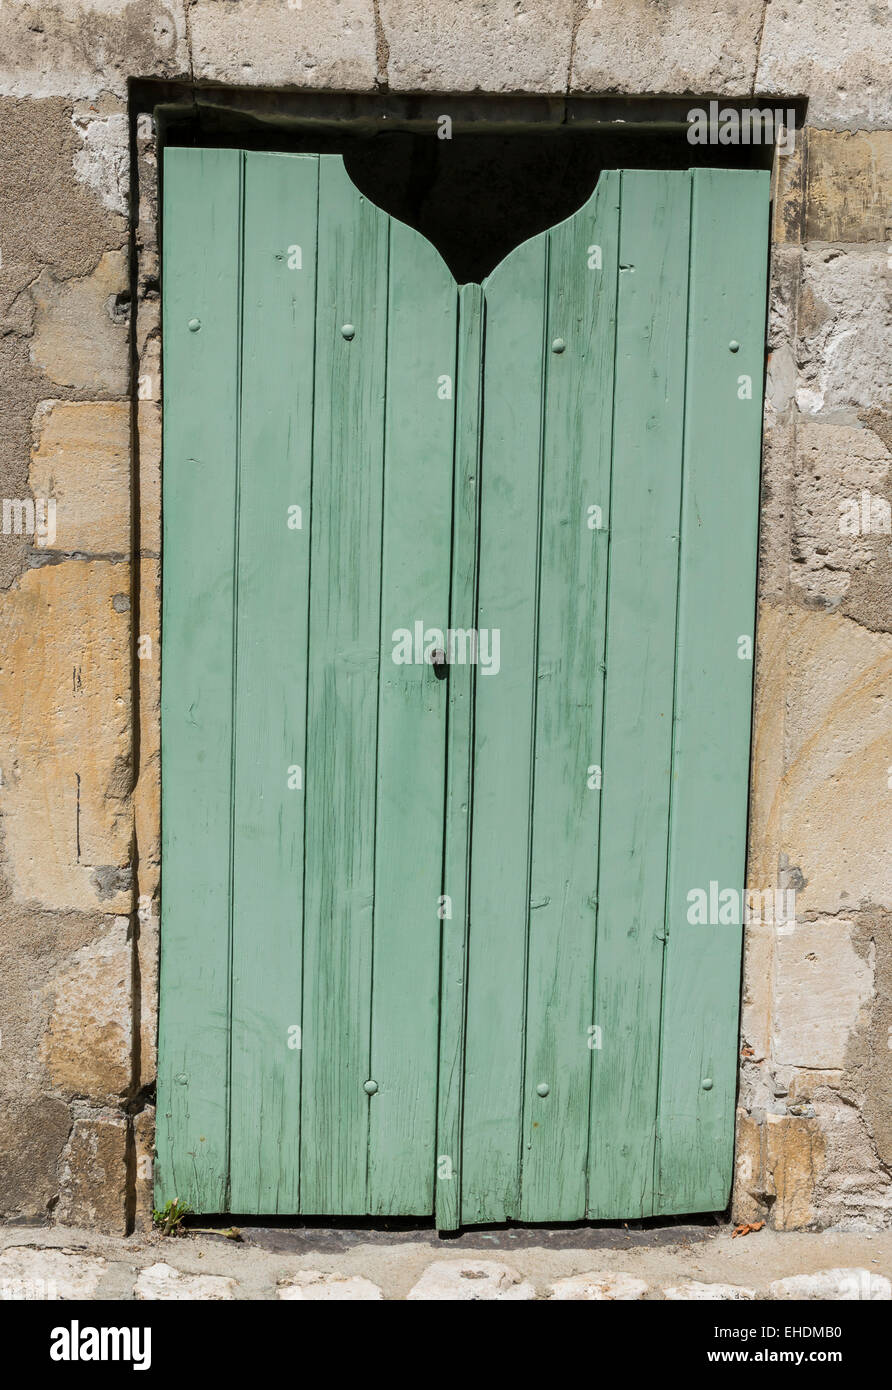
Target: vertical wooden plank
x,y
459,759
412,703
569,685
342,700
509,521
716,608
270,700
640,658
202,220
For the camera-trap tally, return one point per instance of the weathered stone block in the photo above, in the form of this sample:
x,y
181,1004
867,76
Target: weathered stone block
x,y
667,46
849,177
842,516
86,1048
94,1176
87,47
852,1186
794,1154
806,1085
82,461
822,753
821,985
598,1286
80,330
28,1272
33,1133
836,1285
845,330
748,1197
162,1281
470,1281
278,43
103,161
65,736
480,45
838,54
310,1285
788,193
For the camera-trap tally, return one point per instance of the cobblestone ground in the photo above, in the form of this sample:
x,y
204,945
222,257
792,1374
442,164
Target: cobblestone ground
x,y
257,1262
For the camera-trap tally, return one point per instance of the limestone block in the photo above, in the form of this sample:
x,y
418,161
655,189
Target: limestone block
x,y
162,1281
845,330
835,1285
65,736
788,193
283,43
838,54
842,514
103,161
479,45
822,754
31,1272
853,1186
33,1132
821,986
849,175
749,1187
470,1281
93,1190
667,46
86,1048
794,1154
80,331
82,462
88,47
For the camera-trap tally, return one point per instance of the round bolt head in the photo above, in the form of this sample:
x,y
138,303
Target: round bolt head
x,y
542,1089
348,331
558,345
194,325
706,1083
370,1087
733,345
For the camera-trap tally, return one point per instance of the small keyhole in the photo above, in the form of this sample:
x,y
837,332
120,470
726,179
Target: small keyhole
x,y
438,661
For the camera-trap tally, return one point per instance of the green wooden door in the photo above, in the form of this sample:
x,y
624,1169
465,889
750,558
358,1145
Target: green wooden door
x,y
427,936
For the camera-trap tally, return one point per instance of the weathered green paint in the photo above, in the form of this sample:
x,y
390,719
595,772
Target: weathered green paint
x,y
472,900
640,657
419,439
710,759
577,430
200,467
276,420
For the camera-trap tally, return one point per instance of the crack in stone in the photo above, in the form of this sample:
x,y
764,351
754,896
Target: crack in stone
x,y
382,50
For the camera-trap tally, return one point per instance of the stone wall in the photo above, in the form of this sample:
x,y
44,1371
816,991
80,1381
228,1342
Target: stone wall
x,y
80,404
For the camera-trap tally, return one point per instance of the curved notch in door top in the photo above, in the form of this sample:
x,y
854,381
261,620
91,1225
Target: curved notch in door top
x,y
476,197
